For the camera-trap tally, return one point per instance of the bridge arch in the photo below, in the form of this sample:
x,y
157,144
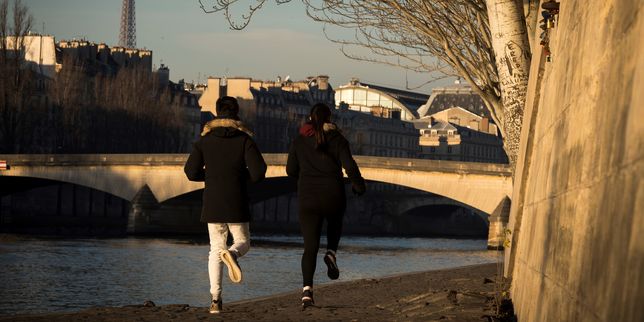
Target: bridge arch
x,y
412,204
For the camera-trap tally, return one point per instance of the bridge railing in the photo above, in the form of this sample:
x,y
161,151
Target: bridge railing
x,y
276,159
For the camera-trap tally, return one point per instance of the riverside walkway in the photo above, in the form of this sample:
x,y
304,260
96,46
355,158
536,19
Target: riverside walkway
x,y
458,294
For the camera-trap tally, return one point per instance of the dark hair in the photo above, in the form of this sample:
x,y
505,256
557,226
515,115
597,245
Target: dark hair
x,y
320,114
227,107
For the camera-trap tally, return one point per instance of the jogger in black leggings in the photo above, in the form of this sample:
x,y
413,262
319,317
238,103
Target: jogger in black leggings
x,y
311,221
316,159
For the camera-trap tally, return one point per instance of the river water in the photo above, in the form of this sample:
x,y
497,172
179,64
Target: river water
x,y
54,275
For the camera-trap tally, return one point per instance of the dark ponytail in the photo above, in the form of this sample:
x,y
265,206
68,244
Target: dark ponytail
x,y
320,114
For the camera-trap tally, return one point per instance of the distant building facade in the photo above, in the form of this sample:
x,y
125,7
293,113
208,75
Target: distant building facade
x,y
283,107
375,120
191,112
376,135
276,110
459,135
103,59
48,56
40,52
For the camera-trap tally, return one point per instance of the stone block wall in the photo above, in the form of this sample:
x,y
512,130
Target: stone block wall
x,y
578,214
578,226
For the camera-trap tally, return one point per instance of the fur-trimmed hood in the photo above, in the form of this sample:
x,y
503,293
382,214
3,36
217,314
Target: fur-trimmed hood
x,y
226,123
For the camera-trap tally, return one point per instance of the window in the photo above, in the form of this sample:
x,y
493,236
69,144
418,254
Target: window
x,y
373,98
386,102
449,149
347,96
360,97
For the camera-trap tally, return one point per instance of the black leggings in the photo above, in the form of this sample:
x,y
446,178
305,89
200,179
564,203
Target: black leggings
x,y
311,227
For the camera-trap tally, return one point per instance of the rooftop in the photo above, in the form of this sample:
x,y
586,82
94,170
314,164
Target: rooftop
x,y
458,95
411,100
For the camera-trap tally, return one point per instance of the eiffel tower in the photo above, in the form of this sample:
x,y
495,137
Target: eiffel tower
x,y
127,36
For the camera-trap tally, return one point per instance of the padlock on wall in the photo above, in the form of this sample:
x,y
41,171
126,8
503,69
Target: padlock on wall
x,y
552,6
549,13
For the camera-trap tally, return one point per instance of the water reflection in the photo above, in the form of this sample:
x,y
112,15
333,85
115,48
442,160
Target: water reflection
x,y
44,275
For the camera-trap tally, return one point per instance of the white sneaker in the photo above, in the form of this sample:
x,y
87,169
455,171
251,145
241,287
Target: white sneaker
x,y
234,271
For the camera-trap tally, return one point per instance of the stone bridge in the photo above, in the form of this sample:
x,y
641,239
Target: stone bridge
x,y
486,187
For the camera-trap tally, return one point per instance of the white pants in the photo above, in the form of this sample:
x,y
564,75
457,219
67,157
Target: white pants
x,y
218,236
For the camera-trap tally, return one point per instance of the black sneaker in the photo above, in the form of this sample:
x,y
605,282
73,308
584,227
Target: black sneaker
x,y
307,299
215,306
333,272
234,271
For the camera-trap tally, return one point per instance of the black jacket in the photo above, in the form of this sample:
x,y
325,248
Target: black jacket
x,y
226,158
319,172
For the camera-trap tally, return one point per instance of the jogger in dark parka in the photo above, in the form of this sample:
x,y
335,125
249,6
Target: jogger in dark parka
x,y
227,159
316,158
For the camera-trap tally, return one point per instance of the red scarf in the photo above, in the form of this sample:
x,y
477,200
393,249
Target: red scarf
x,y
307,130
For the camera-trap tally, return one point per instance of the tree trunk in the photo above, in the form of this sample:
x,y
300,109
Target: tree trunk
x,y
512,54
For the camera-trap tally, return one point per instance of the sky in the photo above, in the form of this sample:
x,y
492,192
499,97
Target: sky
x,y
280,40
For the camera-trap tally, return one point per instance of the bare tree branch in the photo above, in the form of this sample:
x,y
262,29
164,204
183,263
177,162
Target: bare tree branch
x,y
437,37
227,6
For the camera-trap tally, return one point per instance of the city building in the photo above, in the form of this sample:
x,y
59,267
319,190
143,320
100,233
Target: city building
x,y
276,110
461,95
380,100
46,56
376,121
195,89
376,135
100,58
460,135
39,52
191,112
188,102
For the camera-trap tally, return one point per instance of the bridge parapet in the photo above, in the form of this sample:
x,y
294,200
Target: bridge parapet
x,y
276,159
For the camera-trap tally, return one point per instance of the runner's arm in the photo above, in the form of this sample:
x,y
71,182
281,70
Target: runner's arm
x,y
292,165
254,161
194,167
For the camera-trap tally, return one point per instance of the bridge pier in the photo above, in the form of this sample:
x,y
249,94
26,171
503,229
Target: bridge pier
x,y
139,219
498,223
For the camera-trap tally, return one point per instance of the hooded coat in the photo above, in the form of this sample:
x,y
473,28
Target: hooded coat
x,y
226,158
320,183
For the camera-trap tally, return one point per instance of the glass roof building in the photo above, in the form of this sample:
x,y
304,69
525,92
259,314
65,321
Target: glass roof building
x,y
381,100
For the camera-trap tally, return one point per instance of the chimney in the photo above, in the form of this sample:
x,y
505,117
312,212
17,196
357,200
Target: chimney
x,y
163,74
323,82
223,87
485,125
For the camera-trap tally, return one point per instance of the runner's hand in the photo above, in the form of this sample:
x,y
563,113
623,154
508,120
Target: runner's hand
x,y
358,189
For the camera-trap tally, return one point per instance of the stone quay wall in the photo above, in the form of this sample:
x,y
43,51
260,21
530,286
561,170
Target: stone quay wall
x,y
577,218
